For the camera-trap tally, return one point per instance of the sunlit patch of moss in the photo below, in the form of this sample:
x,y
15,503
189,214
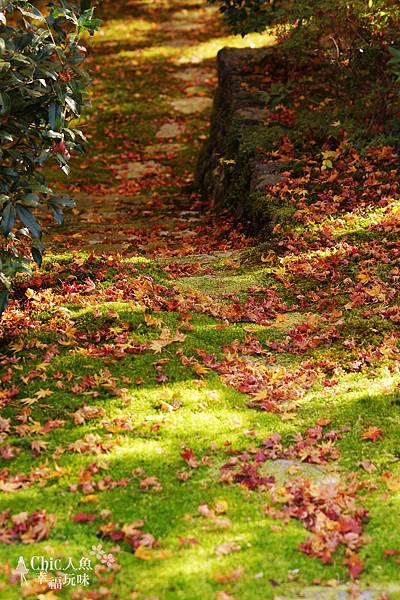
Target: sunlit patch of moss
x,y
360,224
223,284
188,409
125,30
205,417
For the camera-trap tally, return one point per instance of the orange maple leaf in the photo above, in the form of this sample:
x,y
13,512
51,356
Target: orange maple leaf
x,y
372,434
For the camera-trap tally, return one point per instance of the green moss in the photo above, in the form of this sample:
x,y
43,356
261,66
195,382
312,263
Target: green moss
x,y
206,415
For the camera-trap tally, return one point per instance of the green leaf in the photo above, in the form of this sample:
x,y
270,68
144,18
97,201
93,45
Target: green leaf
x,y
57,214
40,105
395,52
54,114
4,295
63,201
37,256
29,200
4,66
29,221
32,13
70,102
5,103
8,218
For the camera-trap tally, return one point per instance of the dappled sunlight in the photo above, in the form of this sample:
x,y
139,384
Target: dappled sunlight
x,y
360,221
218,411
209,49
131,30
187,52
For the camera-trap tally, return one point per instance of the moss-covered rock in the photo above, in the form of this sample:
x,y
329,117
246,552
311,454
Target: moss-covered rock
x,y
232,169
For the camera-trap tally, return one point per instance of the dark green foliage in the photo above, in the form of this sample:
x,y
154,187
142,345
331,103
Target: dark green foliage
x,y
42,90
245,16
394,62
351,25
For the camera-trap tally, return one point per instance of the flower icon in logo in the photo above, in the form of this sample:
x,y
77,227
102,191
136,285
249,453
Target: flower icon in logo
x,y
97,551
107,559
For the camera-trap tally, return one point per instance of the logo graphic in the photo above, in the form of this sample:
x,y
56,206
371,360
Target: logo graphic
x,y
21,570
58,573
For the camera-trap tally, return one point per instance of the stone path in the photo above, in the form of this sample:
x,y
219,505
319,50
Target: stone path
x,y
158,159
153,216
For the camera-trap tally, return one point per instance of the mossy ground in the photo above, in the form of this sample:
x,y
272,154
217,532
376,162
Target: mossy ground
x,y
134,60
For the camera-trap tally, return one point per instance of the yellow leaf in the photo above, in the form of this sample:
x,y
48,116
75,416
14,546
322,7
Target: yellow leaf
x,y
326,164
28,401
288,416
90,499
143,553
199,369
281,318
48,596
330,154
158,345
163,554
221,507
43,393
262,395
165,406
269,257
17,346
152,321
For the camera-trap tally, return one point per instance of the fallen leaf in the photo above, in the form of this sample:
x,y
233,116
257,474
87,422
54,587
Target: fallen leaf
x,y
84,517
227,548
354,566
143,553
224,596
43,393
229,576
221,507
367,465
372,434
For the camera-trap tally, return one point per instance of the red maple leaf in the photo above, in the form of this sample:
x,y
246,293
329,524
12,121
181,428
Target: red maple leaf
x,y
372,434
354,566
189,456
84,517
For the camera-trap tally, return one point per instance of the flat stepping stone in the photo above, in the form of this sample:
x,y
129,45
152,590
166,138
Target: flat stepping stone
x,y
195,89
227,253
170,130
139,170
105,203
204,259
192,75
287,321
285,469
189,106
100,247
164,149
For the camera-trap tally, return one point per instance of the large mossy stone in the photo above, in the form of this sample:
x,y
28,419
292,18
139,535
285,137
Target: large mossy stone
x,y
231,170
